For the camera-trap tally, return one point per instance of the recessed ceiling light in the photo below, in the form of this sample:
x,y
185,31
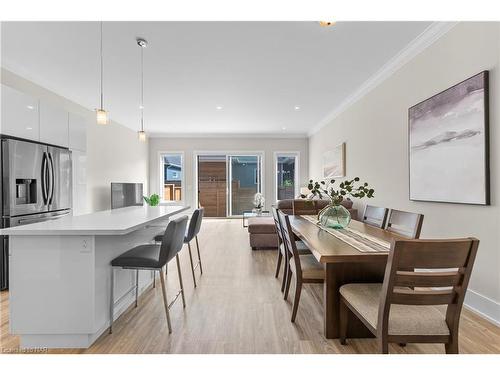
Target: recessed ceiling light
x,y
283,128
30,107
29,128
297,108
326,23
141,107
218,107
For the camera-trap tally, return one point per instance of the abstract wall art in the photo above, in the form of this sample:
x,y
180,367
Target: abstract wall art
x,y
448,145
334,162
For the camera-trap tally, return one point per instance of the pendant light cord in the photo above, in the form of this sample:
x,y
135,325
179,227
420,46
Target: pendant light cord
x,y
101,70
142,88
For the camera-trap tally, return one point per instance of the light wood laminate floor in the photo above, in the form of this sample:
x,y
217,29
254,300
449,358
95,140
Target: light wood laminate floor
x,y
238,308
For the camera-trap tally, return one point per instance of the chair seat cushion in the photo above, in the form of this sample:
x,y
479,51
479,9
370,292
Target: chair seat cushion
x,y
311,268
403,319
261,224
142,256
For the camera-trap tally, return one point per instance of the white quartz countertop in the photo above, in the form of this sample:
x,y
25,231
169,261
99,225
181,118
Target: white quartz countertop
x,y
110,222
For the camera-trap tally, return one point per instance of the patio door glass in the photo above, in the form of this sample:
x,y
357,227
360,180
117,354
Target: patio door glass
x,y
245,180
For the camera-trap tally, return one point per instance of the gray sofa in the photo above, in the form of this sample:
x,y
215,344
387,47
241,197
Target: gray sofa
x,y
262,232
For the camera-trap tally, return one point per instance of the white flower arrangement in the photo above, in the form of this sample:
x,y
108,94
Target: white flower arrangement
x,y
258,200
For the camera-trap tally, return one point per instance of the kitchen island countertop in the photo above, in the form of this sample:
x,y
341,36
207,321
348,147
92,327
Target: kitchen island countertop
x,y
109,222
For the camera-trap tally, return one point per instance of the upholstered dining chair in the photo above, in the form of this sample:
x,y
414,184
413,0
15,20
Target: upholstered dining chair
x,y
406,224
375,216
282,253
153,257
403,308
303,268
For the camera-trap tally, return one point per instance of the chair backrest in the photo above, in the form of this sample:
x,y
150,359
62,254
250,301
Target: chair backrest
x,y
375,216
277,224
195,223
285,205
289,242
406,224
401,277
173,239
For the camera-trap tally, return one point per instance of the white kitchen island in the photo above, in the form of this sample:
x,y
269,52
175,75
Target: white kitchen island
x,y
60,273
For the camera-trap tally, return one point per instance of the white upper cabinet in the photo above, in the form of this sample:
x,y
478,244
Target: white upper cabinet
x,y
53,125
77,132
19,114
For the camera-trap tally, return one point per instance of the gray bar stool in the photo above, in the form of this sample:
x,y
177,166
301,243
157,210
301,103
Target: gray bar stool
x,y
192,232
153,257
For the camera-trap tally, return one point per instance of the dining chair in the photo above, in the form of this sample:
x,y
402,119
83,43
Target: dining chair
x,y
403,309
304,268
153,257
375,216
192,233
282,253
406,224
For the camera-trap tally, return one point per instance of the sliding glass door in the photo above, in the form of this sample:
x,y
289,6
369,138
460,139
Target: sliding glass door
x,y
245,177
227,183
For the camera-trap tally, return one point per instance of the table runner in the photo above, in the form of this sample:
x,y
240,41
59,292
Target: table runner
x,y
361,241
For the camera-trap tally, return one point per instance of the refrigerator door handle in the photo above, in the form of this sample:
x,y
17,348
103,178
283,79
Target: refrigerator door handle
x,y
44,178
52,178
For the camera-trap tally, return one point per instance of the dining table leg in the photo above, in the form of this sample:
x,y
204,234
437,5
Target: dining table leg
x,y
331,302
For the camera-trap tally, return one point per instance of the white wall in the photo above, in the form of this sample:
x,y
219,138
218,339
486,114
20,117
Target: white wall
x,y
190,145
113,151
114,154
375,131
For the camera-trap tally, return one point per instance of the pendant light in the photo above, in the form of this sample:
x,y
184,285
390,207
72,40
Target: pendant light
x,y
143,44
101,113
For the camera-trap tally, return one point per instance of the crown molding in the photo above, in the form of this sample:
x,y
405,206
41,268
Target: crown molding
x,y
430,35
227,135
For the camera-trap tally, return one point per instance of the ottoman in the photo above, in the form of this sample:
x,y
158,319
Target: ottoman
x,y
262,233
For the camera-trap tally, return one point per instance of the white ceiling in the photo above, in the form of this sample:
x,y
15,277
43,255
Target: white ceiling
x,y
256,71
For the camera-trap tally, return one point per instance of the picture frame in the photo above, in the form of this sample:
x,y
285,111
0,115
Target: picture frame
x,y
334,162
448,145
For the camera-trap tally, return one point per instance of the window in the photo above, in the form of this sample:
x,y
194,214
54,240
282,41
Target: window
x,y
287,185
172,176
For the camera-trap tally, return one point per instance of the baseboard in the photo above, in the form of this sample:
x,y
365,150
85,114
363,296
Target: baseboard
x,y
483,306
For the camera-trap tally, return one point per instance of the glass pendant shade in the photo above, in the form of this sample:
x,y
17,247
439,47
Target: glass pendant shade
x,y
142,135
102,117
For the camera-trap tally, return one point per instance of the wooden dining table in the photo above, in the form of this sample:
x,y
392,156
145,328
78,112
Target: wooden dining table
x,y
343,264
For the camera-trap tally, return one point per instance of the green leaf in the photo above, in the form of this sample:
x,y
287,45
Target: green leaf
x,y
153,200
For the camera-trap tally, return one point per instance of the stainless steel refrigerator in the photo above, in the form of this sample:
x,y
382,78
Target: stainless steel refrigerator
x,y
35,186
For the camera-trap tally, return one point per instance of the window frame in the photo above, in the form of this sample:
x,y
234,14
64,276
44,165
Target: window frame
x,y
161,179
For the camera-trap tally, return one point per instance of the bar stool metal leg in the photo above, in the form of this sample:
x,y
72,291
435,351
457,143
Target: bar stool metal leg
x,y
180,279
154,279
112,301
165,301
192,266
136,287
199,258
